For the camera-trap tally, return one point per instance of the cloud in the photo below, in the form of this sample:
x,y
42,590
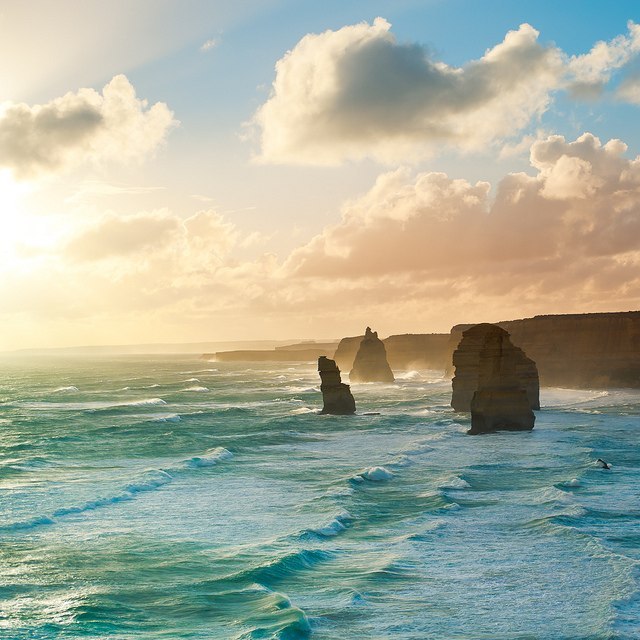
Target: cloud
x,y
590,72
417,252
357,92
629,88
80,127
115,236
206,237
565,236
212,43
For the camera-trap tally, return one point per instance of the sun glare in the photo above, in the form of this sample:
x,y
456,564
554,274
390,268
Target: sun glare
x,y
14,229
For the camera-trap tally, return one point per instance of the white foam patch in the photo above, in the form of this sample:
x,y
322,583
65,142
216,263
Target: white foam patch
x,y
210,458
148,402
408,375
336,526
455,483
196,389
376,474
191,380
166,417
68,389
558,397
301,411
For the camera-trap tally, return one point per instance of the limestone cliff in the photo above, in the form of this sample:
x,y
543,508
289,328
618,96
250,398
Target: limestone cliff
x,y
500,402
592,350
467,362
370,364
336,395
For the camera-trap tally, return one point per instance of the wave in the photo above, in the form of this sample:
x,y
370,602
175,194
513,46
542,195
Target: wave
x,y
169,417
210,458
191,380
68,389
16,466
149,402
340,523
456,482
408,375
283,567
196,389
559,397
569,484
375,474
149,481
302,410
275,616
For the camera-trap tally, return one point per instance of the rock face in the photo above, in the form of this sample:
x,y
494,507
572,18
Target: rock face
x,y
580,351
500,403
468,360
370,364
405,351
336,395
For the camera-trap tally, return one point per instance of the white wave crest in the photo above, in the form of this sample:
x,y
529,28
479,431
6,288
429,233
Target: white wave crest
x,y
301,411
336,526
68,389
210,458
376,474
455,483
408,375
168,417
147,402
196,389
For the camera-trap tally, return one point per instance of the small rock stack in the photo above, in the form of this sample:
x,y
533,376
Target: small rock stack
x,y
336,395
370,364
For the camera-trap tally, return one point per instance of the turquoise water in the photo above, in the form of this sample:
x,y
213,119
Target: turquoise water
x,y
176,498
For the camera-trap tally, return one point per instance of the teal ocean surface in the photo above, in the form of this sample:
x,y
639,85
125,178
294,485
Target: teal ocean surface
x,y
176,498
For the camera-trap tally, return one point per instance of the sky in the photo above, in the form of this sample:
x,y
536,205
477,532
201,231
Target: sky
x,y
185,171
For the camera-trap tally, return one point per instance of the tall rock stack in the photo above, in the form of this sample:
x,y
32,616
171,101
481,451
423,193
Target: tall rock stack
x,y
336,395
500,403
467,358
370,364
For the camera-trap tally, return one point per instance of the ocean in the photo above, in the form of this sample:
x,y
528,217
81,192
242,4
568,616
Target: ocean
x,y
170,497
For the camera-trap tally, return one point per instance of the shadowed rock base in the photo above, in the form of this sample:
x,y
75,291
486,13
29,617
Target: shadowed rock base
x,y
336,395
500,410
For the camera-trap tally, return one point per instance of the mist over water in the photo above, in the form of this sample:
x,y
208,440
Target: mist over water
x,y
176,498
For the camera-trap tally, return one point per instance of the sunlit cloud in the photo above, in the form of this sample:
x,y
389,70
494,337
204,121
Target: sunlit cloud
x,y
589,73
566,236
210,44
357,92
86,126
424,248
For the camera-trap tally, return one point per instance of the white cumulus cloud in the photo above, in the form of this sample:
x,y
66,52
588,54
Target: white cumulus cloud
x,y
80,127
357,92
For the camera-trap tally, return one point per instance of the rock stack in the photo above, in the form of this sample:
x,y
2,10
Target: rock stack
x,y
370,364
500,402
467,359
336,395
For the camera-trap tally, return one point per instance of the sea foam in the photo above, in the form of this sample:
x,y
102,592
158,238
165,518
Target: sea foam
x,y
376,474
